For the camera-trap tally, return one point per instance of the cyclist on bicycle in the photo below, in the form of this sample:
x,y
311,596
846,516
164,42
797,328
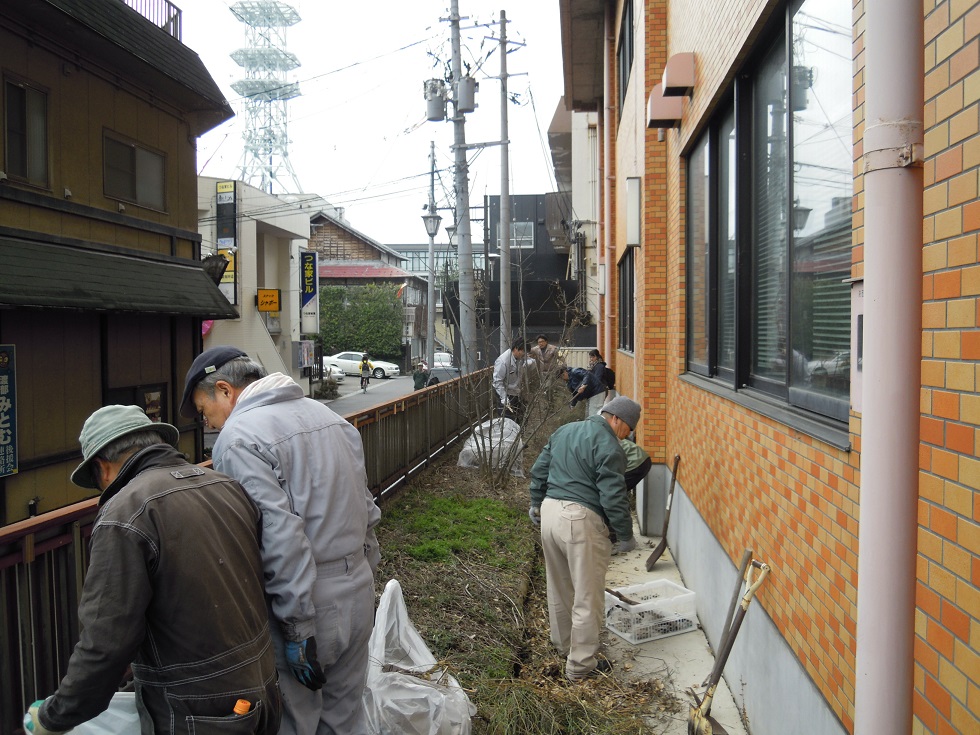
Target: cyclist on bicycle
x,y
366,369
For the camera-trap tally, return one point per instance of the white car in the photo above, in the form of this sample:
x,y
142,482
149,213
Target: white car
x,y
332,371
350,363
442,359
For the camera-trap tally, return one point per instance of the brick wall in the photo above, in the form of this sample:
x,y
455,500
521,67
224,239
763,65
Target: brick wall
x,y
650,379
947,624
756,482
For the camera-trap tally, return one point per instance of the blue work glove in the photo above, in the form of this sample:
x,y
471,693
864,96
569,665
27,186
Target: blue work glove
x,y
534,513
622,547
32,724
301,656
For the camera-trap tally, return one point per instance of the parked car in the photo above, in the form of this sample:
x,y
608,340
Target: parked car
x,y
332,371
442,359
350,363
832,373
442,374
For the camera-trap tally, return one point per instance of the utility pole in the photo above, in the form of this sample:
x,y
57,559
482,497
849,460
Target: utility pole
x,y
432,227
467,302
504,225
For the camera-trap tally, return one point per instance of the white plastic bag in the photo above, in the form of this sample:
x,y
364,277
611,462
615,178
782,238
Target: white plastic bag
x,y
120,719
426,701
498,441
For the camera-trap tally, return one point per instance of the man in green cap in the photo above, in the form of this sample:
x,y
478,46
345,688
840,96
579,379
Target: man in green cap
x,y
174,588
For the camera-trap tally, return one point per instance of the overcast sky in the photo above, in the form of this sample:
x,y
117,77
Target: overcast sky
x,y
358,133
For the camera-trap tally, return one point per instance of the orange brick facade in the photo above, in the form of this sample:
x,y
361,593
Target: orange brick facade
x,y
758,482
947,625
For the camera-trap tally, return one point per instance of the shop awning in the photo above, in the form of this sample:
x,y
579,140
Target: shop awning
x,y
44,275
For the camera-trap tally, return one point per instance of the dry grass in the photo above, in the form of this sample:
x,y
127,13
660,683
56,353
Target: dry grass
x,y
471,570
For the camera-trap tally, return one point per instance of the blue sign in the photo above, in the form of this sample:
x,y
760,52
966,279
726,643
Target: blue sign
x,y
308,277
8,411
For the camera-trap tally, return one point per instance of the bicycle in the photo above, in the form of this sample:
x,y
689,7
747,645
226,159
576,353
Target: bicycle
x,y
364,383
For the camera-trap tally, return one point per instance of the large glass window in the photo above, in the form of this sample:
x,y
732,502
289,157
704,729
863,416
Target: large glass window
x,y
626,300
781,208
134,174
26,133
699,306
624,53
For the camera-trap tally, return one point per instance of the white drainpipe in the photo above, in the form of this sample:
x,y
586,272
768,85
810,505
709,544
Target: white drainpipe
x,y
609,132
892,361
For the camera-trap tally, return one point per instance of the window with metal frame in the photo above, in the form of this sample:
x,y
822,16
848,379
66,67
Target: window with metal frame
x,y
134,174
769,188
624,52
26,132
521,235
626,300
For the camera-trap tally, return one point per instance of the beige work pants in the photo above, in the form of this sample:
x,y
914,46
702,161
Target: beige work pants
x,y
576,556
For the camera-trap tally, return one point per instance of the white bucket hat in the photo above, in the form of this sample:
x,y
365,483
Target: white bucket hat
x,y
105,426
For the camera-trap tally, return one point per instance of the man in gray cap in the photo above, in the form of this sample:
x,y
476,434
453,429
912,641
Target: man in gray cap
x,y
174,588
304,467
578,493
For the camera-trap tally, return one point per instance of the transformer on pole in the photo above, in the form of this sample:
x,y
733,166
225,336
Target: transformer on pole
x,y
265,158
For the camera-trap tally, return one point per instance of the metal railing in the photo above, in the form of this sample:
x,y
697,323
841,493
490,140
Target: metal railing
x,y
43,559
161,13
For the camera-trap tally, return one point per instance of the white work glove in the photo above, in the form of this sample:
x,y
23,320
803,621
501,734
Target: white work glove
x,y
32,724
623,547
534,513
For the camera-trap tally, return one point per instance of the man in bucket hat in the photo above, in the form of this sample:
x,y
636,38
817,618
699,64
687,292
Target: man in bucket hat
x,y
174,588
578,493
304,467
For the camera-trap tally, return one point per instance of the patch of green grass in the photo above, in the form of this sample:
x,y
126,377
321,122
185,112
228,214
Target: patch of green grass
x,y
437,528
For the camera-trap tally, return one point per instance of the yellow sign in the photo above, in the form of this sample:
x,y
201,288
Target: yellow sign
x,y
224,186
268,299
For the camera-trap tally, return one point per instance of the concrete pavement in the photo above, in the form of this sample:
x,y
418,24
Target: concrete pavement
x,y
683,660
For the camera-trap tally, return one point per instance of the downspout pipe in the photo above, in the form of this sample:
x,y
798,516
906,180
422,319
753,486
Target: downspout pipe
x,y
892,366
609,131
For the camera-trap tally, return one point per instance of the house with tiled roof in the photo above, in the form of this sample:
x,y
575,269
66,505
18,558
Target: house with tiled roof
x,y
348,257
102,289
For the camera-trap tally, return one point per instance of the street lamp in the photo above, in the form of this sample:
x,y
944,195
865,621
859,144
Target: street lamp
x,y
431,221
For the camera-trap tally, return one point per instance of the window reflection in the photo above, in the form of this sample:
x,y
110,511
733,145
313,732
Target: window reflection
x,y
822,189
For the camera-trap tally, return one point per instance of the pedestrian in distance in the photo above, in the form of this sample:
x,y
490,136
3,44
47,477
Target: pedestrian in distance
x,y
420,375
578,495
545,355
582,384
174,589
508,380
605,376
366,369
304,467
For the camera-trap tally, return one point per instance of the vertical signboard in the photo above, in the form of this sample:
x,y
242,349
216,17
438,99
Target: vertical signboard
x,y
8,411
309,288
226,224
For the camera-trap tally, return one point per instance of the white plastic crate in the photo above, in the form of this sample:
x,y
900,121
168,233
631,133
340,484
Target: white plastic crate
x,y
664,609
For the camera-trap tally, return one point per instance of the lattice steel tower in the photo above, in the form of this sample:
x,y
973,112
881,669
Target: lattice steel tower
x,y
265,159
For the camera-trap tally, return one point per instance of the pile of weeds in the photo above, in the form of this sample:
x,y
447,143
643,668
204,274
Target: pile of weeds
x,y
472,574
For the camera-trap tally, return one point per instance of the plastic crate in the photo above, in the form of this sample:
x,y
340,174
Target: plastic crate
x,y
664,609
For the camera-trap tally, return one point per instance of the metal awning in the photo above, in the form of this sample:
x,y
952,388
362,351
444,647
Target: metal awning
x,y
50,276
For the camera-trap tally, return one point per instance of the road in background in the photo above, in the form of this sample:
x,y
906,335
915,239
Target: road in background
x,y
351,399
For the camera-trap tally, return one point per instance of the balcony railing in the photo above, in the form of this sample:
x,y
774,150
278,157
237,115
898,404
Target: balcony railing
x,y
162,13
43,559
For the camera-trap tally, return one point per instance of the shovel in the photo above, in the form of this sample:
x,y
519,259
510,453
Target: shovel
x,y
662,546
700,721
